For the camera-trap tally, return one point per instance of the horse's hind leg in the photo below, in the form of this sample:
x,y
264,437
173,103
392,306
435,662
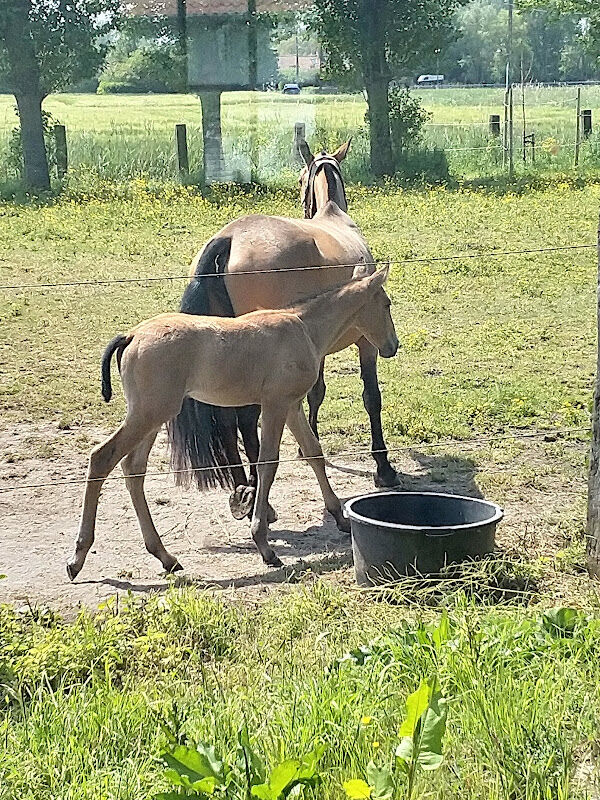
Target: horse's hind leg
x,y
311,448
385,475
134,468
243,497
103,460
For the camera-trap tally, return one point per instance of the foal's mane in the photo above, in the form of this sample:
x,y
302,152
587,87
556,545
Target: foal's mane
x,y
302,302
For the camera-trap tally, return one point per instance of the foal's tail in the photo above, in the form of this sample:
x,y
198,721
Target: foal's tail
x,y
118,344
197,433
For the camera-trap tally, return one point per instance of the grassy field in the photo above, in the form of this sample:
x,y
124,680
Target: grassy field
x,y
127,136
87,708
488,343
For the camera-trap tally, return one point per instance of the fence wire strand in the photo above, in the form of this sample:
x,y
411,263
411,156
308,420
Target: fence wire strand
x,y
381,261
345,453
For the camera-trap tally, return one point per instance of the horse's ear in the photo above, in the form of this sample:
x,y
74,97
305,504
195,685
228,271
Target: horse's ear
x,y
379,278
361,271
307,156
342,151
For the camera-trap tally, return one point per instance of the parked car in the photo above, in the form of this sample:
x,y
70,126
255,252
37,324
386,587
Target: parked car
x,y
291,88
430,80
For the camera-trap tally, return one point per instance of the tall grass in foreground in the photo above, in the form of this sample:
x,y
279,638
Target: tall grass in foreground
x,y
82,702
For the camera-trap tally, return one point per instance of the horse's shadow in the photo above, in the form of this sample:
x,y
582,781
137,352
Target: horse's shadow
x,y
322,549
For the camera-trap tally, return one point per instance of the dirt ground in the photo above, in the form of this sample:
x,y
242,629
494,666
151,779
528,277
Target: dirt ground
x,y
38,525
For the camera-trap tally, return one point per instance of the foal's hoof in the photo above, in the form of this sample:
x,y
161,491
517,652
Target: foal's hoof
x,y
388,479
241,501
175,568
342,523
73,570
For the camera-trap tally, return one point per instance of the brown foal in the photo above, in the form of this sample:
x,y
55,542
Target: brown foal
x,y
268,358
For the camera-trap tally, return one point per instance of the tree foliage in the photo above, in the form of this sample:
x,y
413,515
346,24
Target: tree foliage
x,y
70,39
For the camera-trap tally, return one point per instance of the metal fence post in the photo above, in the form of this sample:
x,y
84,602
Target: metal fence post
x,y
299,136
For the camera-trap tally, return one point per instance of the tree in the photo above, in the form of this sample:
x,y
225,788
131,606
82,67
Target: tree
x,y
45,45
375,40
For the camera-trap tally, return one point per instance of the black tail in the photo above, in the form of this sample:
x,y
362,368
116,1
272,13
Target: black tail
x,y
201,288
197,433
119,343
197,443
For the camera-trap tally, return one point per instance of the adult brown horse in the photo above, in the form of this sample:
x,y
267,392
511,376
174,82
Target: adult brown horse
x,y
256,262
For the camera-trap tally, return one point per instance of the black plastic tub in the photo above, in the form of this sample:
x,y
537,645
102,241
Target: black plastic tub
x,y
398,534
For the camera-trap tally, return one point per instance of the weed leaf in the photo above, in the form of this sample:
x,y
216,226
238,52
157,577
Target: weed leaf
x,y
380,781
357,789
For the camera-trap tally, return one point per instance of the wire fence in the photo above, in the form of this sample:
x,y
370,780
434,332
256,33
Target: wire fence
x,y
283,272
446,443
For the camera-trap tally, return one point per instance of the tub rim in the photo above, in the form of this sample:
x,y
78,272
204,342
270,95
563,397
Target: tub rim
x,y
351,514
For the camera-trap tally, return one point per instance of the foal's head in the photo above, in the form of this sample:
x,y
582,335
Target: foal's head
x,y
321,179
374,319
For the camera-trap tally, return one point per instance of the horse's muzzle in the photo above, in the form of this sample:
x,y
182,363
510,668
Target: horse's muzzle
x,y
389,350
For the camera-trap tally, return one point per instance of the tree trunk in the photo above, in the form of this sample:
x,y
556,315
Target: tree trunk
x,y
24,76
211,136
373,19
593,516
35,161
382,161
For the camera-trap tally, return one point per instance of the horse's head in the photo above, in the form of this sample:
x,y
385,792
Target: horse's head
x,y
374,320
321,179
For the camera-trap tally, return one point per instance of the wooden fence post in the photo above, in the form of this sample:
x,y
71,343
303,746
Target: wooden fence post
x,y
593,511
578,125
60,142
182,150
299,136
586,119
495,124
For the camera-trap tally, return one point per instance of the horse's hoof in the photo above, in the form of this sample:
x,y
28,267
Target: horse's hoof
x,y
273,561
175,568
388,480
241,501
73,571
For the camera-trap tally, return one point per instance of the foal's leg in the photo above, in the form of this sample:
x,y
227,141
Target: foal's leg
x,y
385,475
309,444
273,421
103,460
134,468
315,400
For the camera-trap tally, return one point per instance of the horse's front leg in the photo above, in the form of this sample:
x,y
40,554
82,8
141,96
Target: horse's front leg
x,y
385,475
273,420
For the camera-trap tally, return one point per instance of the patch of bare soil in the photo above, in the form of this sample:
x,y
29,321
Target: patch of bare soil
x,y
38,525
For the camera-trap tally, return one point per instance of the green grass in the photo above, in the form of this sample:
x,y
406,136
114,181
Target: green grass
x,y
127,136
487,343
82,702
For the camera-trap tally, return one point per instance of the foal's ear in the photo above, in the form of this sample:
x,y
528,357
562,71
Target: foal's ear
x,y
379,278
342,151
305,152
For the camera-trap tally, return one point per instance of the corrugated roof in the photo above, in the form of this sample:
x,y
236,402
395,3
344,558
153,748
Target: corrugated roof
x,y
194,7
